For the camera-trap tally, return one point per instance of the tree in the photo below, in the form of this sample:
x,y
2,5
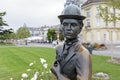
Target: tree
x,y
12,36
61,36
113,3
107,14
2,23
23,32
51,35
4,33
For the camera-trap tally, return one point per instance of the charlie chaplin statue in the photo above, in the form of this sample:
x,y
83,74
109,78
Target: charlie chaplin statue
x,y
73,61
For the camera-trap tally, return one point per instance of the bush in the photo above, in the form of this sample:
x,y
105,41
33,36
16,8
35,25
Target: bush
x,y
6,44
99,46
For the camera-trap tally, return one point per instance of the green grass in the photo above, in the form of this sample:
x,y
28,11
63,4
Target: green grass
x,y
15,61
100,64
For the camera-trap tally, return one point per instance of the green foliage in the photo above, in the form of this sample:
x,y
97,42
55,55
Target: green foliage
x,y
51,35
113,3
12,36
107,15
2,23
61,36
4,33
23,32
105,12
6,44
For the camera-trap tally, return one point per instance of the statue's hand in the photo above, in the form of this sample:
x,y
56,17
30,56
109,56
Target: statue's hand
x,y
55,69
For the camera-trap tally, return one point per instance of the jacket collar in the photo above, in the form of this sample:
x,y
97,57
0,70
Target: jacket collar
x,y
71,54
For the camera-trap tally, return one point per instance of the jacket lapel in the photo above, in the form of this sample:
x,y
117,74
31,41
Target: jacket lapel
x,y
69,56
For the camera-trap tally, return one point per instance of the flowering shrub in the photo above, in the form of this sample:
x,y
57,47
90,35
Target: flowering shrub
x,y
41,73
99,46
95,45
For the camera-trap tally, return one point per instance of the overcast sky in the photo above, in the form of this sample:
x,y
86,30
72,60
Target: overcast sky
x,y
34,13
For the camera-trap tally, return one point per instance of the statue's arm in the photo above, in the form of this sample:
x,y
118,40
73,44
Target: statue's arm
x,y
83,66
55,68
56,71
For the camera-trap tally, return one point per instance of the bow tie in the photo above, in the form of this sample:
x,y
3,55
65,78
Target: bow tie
x,y
67,46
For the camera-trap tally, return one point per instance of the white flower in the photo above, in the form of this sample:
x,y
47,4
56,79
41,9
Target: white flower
x,y
35,76
24,75
42,60
11,78
37,73
21,78
32,78
42,73
45,65
49,71
41,79
31,64
28,69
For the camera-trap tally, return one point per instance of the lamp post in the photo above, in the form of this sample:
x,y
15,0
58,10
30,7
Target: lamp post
x,y
111,45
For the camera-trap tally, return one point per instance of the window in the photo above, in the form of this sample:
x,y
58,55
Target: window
x,y
88,13
98,21
88,22
98,10
106,36
106,23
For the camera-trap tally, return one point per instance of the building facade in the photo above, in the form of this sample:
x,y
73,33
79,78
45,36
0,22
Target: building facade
x,y
95,28
39,32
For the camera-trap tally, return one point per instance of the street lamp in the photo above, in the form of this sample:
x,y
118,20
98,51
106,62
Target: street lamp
x,y
111,45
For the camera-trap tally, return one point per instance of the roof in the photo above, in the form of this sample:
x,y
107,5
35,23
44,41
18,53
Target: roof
x,y
90,2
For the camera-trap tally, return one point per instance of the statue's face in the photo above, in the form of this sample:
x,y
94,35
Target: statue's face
x,y
71,28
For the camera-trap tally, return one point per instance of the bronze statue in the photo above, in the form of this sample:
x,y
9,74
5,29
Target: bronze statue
x,y
73,61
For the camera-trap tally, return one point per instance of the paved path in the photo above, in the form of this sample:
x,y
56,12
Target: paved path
x,y
31,45
114,52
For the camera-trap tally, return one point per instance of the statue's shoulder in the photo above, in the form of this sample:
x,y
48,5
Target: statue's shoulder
x,y
81,49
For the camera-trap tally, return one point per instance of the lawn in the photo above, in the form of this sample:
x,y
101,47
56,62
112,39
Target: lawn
x,y
16,61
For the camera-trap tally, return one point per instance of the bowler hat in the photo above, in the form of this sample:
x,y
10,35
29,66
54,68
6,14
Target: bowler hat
x,y
71,12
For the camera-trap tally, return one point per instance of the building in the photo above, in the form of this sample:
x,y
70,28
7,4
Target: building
x,y
95,29
39,32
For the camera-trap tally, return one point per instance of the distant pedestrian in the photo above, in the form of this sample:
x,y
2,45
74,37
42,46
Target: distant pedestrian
x,y
89,47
